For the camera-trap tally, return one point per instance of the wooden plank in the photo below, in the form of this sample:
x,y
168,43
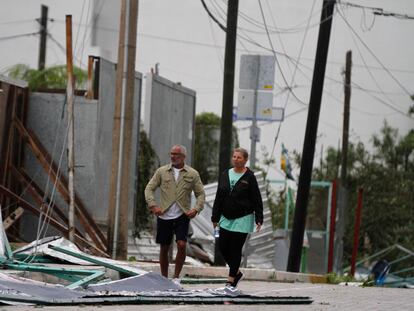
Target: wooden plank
x,y
13,217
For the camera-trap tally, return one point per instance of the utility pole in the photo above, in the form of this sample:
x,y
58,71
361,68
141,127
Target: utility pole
x,y
71,131
122,132
226,126
345,130
43,36
343,185
310,137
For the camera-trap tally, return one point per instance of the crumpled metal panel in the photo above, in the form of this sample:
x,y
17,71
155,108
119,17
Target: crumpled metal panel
x,y
146,282
42,247
33,289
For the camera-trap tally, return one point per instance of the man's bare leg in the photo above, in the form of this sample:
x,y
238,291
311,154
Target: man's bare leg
x,y
180,257
164,259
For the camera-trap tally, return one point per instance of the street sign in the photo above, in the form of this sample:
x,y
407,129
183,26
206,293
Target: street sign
x,y
257,72
265,110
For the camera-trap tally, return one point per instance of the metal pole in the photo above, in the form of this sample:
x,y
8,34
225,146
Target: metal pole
x,y
70,151
356,230
310,137
253,129
332,227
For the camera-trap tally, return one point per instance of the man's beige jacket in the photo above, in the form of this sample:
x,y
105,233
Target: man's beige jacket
x,y
172,191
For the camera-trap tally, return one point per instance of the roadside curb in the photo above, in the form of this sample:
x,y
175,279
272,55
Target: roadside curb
x,y
249,274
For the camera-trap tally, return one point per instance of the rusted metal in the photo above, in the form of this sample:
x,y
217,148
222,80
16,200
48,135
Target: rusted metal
x,y
12,218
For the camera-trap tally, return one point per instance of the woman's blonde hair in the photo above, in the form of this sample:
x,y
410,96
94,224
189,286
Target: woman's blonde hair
x,y
242,151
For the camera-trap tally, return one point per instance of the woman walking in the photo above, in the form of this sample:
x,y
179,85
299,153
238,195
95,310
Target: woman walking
x,y
237,208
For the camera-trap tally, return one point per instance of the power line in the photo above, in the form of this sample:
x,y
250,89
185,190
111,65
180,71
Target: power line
x,y
377,11
213,17
23,21
202,44
19,36
280,68
373,54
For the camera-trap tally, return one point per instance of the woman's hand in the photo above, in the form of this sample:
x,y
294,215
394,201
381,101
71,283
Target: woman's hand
x,y
214,224
258,226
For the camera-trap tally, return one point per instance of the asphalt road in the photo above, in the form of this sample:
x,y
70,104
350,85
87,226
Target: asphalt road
x,y
325,297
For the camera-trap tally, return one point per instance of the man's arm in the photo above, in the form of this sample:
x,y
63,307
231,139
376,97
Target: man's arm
x,y
152,185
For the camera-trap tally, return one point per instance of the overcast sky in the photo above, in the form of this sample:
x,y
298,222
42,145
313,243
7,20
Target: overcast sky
x,y
189,47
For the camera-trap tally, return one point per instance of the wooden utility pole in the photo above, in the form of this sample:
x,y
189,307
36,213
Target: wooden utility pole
x,y
70,151
43,37
345,129
308,152
226,126
122,132
343,185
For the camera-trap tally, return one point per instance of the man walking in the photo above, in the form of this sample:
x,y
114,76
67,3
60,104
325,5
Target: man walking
x,y
176,182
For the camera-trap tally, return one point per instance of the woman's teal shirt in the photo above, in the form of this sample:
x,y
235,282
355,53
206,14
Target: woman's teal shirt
x,y
243,224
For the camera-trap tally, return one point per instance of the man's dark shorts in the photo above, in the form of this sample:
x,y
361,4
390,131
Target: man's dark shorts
x,y
177,226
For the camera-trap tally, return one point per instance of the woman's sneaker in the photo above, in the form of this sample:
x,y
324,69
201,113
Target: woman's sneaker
x,y
237,278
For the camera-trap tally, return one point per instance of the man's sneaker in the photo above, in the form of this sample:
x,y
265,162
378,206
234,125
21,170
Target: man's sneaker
x,y
176,281
237,278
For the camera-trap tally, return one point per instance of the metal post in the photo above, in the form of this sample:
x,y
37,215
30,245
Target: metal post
x,y
356,230
332,228
253,129
70,99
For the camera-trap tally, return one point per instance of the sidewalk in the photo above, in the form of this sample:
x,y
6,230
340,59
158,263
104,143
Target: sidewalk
x,y
249,273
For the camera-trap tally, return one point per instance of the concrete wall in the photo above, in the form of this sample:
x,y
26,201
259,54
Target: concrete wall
x,y
169,116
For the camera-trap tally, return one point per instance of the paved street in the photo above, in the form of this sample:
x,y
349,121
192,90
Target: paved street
x,y
326,297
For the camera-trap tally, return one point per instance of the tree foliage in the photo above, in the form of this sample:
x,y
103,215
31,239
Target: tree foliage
x,y
148,162
206,149
54,77
386,174
387,177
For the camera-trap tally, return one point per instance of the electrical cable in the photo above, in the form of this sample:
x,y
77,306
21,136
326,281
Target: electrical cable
x,y
373,54
280,68
19,36
213,17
